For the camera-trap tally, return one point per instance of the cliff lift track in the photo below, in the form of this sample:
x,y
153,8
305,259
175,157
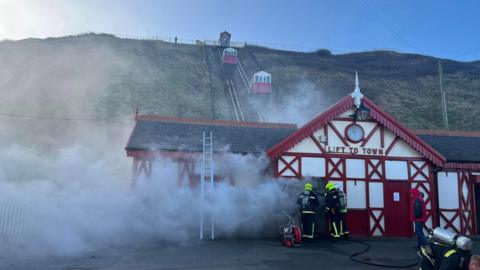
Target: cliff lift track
x,y
230,86
243,76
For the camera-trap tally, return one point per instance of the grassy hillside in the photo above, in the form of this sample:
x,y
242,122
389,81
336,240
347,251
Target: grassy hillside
x,y
406,85
104,77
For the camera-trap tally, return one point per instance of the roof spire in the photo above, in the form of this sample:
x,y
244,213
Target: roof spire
x,y
356,94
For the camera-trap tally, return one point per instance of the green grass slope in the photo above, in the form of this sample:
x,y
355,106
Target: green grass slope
x,y
105,77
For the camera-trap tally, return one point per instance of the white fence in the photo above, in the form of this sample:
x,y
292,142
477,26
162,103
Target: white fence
x,y
237,44
12,220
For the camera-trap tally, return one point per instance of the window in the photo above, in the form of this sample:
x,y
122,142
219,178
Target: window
x,y
396,170
356,194
312,166
355,168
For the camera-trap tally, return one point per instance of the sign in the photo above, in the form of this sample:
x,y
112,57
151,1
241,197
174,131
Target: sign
x,y
355,150
396,196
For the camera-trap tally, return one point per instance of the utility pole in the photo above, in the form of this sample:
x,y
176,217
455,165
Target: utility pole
x,y
442,93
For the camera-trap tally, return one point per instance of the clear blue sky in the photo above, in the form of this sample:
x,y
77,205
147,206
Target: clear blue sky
x,y
448,29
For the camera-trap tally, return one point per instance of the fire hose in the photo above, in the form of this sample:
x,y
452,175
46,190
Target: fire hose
x,y
367,248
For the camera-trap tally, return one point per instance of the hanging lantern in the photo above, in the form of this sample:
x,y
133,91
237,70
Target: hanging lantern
x,y
361,113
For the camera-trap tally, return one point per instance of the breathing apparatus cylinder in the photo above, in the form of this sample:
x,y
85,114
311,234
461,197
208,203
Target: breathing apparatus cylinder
x,y
449,238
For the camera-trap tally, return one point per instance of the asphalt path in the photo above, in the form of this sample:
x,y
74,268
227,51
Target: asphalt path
x,y
227,254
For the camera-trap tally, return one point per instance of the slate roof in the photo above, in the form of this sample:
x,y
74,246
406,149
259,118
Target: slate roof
x,y
176,134
458,148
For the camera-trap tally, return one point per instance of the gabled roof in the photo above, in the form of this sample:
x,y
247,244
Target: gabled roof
x,y
457,147
170,134
375,112
225,33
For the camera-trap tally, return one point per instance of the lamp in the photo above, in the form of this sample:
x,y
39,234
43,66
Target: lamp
x,y
362,113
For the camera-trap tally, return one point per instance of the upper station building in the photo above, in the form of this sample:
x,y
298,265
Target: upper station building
x,y
225,39
356,144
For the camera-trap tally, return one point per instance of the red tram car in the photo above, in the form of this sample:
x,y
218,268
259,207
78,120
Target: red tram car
x,y
261,83
229,56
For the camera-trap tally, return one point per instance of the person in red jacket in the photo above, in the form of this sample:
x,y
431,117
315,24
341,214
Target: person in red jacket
x,y
418,215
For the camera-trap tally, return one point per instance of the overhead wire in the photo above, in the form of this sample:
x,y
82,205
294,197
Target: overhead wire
x,y
399,36
396,33
467,52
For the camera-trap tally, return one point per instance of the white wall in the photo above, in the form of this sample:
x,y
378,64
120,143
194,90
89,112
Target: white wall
x,y
374,141
333,138
379,169
402,149
449,215
377,214
376,194
355,168
339,168
395,169
425,171
448,197
356,194
305,146
312,166
287,172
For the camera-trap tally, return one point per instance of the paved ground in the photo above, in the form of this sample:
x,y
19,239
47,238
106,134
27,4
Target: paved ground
x,y
229,254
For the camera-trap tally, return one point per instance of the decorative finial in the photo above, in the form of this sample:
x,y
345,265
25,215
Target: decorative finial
x,y
357,95
356,79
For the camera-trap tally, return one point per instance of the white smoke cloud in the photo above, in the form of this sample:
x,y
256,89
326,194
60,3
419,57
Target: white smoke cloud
x,y
75,202
299,106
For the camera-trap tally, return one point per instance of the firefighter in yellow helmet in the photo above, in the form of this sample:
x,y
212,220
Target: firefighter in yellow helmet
x,y
333,209
308,202
344,233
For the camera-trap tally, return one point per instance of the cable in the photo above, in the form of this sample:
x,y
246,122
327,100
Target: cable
x,y
388,26
467,52
352,257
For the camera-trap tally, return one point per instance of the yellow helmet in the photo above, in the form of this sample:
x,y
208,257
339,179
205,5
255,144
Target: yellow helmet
x,y
308,186
330,186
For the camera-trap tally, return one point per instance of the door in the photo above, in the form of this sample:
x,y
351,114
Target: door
x,y
397,212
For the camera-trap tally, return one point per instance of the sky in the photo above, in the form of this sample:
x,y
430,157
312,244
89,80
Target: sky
x,y
441,28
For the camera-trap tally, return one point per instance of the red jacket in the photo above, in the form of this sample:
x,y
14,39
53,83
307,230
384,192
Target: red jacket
x,y
414,195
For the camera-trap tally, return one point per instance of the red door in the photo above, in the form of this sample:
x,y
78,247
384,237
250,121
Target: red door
x,y
397,212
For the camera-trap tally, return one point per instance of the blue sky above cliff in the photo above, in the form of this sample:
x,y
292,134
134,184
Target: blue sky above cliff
x,y
448,29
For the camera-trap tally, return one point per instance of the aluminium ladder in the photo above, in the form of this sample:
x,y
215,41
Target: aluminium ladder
x,y
207,221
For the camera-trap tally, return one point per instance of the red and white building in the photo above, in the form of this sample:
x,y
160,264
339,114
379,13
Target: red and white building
x,y
357,145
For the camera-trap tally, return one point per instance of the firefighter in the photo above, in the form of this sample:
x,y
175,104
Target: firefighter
x,y
333,209
344,233
308,201
443,257
447,251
